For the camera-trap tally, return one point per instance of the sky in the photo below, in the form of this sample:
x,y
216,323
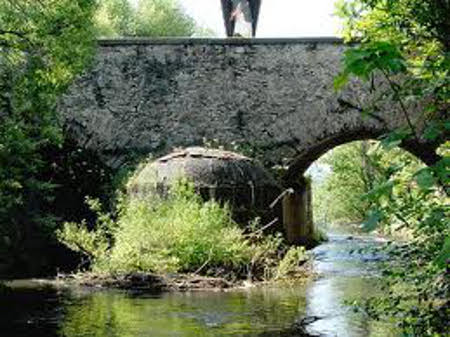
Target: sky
x,y
278,18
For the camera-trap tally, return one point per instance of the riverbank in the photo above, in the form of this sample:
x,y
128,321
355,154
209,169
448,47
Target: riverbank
x,y
155,283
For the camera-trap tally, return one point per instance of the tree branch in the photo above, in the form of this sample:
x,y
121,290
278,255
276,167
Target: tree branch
x,y
401,103
346,104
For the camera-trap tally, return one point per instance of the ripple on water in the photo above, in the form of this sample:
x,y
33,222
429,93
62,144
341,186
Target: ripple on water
x,y
348,270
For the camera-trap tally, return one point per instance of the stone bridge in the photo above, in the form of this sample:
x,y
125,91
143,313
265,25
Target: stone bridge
x,y
274,96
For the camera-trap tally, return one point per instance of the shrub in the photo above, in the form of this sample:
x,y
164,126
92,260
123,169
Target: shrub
x,y
293,258
92,244
179,233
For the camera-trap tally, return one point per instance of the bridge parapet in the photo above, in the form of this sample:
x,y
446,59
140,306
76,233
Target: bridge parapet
x,y
219,41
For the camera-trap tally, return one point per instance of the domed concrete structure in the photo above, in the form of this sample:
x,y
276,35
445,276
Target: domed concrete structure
x,y
221,175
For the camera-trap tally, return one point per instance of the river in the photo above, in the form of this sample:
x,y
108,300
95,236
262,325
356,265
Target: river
x,y
346,271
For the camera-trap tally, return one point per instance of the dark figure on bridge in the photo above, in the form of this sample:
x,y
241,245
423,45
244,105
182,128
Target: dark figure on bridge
x,y
241,14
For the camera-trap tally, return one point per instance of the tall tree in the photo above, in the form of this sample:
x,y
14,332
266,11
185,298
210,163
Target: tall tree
x,y
43,45
148,18
357,169
345,185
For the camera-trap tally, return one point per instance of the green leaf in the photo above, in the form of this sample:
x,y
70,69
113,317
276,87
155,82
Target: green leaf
x,y
379,191
442,170
425,178
444,255
381,55
394,139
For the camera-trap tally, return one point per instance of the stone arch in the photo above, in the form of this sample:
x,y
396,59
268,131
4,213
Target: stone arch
x,y
425,151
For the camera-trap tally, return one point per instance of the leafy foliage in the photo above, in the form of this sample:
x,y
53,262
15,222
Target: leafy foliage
x,y
180,233
92,243
149,18
397,20
417,278
353,174
43,45
293,257
363,61
407,43
408,37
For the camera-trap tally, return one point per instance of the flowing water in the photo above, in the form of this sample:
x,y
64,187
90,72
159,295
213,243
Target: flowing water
x,y
346,271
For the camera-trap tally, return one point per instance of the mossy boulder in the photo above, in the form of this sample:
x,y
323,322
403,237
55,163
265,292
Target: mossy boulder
x,y
225,176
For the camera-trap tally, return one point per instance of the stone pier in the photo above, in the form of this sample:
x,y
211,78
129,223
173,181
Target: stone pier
x,y
297,214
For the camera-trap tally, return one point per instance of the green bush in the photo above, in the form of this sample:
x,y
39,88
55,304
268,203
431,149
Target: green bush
x,y
178,233
291,260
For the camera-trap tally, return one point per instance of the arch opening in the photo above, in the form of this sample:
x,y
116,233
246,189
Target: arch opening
x,y
425,151
347,169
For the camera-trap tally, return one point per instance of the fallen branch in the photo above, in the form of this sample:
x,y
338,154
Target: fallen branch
x,y
277,199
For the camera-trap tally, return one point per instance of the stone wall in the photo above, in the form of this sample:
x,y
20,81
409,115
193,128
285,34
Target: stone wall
x,y
150,96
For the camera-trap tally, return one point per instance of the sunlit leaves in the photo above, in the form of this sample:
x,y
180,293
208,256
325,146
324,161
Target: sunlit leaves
x,y
79,238
382,190
44,45
152,18
338,198
399,20
415,197
363,61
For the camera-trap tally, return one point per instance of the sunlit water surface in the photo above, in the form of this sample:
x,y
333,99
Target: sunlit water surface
x,y
346,272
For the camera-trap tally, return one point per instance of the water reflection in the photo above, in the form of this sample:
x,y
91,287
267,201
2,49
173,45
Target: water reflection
x,y
346,271
30,312
189,314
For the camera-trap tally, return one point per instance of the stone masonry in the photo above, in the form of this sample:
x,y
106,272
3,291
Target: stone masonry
x,y
275,95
